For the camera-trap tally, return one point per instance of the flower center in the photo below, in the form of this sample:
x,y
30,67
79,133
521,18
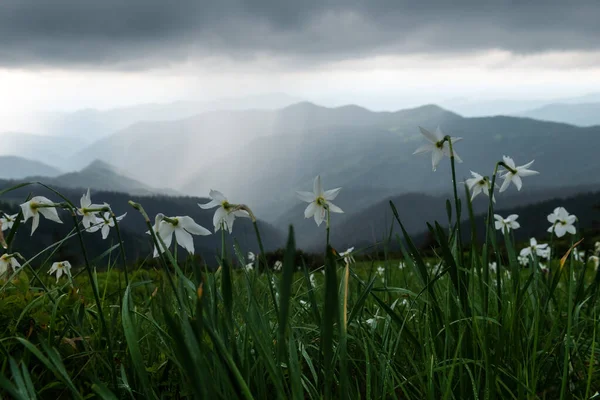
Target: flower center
x,y
440,144
225,204
321,201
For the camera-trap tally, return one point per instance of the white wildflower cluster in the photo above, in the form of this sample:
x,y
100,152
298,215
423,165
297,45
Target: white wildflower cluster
x,y
561,221
94,218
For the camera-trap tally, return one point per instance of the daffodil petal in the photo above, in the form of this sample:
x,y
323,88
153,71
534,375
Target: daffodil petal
x,y
317,186
306,196
331,194
425,148
185,240
429,135
335,209
210,204
506,183
516,179
311,210
192,227
436,157
218,217
218,196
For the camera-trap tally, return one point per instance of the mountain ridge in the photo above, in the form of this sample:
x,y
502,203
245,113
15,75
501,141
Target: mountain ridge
x,y
15,167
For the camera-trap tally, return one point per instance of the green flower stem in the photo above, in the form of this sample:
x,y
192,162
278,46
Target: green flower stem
x,y
157,244
172,221
122,247
459,237
101,209
488,233
565,377
327,226
98,302
263,256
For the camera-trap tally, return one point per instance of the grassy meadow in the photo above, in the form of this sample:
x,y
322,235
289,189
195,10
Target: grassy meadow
x,y
483,321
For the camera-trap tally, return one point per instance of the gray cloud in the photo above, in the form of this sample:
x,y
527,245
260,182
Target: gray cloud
x,y
152,33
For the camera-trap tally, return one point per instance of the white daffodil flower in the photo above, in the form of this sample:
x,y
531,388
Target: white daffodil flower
x,y
104,224
514,174
597,248
313,280
493,266
507,223
36,206
437,146
348,257
578,255
543,269
90,218
595,260
562,222
478,184
278,265
8,262
182,227
320,201
63,267
226,213
249,267
539,249
380,270
7,221
524,261
372,322
251,256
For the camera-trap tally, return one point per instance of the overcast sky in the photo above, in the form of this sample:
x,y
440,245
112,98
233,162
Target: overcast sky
x,y
384,54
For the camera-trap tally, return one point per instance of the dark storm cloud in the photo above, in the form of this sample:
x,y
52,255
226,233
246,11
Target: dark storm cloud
x,y
151,33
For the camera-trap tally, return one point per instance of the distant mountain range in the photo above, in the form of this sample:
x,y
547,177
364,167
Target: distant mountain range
x,y
482,107
585,114
13,167
52,150
98,175
90,125
261,157
267,172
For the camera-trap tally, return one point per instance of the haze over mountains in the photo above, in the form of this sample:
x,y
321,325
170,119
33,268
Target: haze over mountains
x,y
90,125
262,156
585,114
14,167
